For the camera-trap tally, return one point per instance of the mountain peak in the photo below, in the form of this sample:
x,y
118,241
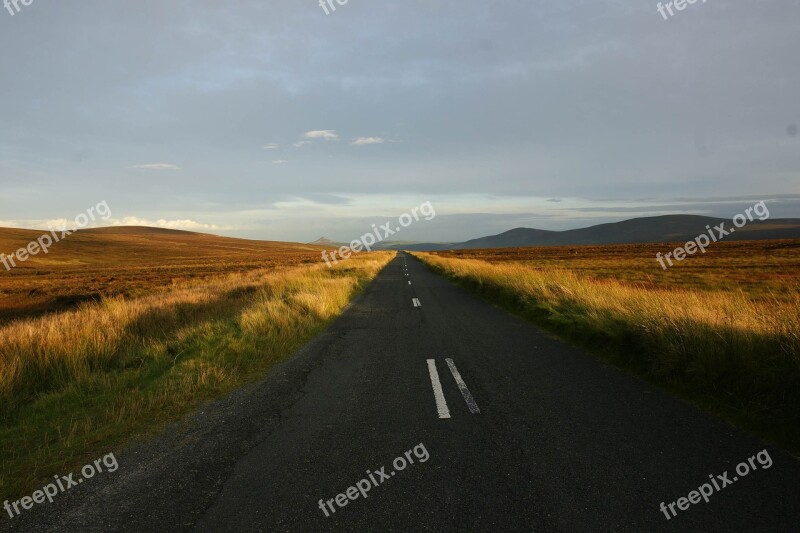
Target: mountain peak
x,y
324,241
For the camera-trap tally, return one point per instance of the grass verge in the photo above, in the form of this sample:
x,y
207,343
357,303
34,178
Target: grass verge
x,y
75,385
734,356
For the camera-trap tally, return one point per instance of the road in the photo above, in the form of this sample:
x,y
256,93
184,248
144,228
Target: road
x,y
508,429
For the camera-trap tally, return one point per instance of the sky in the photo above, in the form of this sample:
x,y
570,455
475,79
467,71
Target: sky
x,y
273,120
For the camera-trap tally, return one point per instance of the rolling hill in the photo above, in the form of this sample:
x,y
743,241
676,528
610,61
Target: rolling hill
x,y
128,261
666,228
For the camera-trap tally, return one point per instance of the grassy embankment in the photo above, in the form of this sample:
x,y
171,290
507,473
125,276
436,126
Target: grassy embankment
x,y
733,352
78,384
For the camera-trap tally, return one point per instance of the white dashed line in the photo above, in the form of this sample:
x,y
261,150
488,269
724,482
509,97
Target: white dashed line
x,y
438,394
416,302
409,283
473,407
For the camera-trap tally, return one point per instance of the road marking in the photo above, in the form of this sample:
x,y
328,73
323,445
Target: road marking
x,y
473,407
409,283
416,302
438,394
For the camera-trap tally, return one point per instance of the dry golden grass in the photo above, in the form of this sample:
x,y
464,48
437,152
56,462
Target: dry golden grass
x,y
736,354
75,384
127,261
762,269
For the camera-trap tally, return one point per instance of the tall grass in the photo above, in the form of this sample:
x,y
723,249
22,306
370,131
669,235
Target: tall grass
x,y
74,384
737,356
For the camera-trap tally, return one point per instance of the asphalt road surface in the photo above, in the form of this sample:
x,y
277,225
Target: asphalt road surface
x,y
497,427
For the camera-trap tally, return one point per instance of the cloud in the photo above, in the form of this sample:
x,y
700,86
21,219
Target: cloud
x,y
300,144
362,141
155,166
270,146
57,223
280,161
555,200
328,135
184,224
326,199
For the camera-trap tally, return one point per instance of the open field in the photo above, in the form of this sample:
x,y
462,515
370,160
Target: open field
x,y
762,269
127,261
722,329
76,384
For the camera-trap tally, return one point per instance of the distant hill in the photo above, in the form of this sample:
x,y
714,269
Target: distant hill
x,y
128,246
666,228
324,241
139,245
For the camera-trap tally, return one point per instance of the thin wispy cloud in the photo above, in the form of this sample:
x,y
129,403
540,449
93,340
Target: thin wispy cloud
x,y
363,141
270,146
280,161
328,135
155,166
182,224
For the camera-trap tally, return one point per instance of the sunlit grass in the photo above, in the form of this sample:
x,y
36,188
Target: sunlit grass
x,y
75,384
